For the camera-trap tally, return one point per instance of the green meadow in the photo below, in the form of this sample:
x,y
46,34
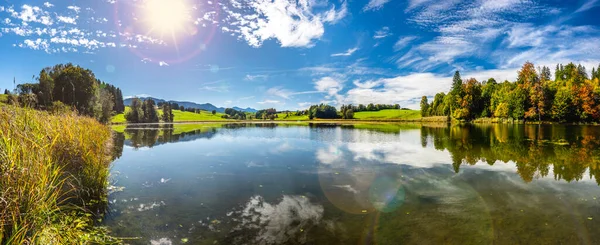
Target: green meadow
x,y
388,114
179,116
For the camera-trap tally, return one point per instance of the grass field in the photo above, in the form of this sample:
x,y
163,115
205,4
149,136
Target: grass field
x,y
388,114
184,116
281,117
179,116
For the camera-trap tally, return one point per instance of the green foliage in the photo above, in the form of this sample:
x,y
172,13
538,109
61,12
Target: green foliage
x,y
142,112
424,107
150,113
75,87
167,113
347,111
501,110
562,106
323,111
235,114
266,114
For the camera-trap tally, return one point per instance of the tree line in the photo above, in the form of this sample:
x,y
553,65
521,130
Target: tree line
x,y
69,87
231,113
572,96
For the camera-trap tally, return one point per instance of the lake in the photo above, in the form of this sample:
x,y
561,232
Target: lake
x,y
356,184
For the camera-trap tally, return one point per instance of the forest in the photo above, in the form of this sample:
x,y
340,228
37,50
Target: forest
x,y
570,97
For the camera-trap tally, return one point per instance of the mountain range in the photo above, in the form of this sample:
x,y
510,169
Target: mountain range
x,y
187,104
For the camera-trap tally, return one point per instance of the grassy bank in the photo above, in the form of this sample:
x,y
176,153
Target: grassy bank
x,y
54,172
388,114
205,116
179,116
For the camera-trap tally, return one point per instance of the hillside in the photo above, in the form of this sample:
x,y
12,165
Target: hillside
x,y
188,104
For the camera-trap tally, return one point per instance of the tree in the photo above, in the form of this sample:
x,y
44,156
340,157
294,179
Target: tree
x,y
77,87
424,106
6,91
214,112
167,115
456,92
562,105
323,111
46,87
501,110
349,114
150,113
136,114
104,106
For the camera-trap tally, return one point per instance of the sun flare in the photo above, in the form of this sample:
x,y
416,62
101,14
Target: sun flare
x,y
166,17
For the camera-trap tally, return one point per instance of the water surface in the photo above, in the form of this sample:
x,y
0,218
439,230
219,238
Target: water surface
x,y
357,184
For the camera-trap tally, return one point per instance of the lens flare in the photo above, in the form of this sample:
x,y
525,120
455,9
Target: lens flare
x,y
166,17
386,195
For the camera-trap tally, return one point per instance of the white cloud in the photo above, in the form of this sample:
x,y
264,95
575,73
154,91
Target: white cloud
x,y
268,102
38,44
375,5
276,223
465,29
544,45
74,8
588,5
347,53
219,89
382,33
246,98
293,24
29,23
287,94
278,91
67,19
304,105
329,85
162,63
403,42
256,77
407,90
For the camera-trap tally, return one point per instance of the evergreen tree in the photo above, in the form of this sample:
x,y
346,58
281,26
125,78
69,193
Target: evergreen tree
x,y
424,106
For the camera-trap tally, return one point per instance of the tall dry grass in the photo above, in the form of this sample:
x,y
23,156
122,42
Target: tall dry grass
x,y
53,178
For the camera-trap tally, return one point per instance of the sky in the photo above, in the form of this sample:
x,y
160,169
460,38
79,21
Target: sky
x,y
289,54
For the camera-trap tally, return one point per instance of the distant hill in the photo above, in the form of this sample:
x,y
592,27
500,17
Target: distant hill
x,y
187,104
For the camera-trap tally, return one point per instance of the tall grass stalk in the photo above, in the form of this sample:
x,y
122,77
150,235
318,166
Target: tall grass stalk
x,y
53,178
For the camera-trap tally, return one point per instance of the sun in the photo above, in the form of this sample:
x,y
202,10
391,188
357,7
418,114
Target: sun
x,y
166,16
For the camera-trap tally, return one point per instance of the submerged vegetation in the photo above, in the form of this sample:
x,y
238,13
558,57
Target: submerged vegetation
x,y
55,170
572,96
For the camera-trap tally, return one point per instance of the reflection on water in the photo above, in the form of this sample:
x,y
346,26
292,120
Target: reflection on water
x,y
349,184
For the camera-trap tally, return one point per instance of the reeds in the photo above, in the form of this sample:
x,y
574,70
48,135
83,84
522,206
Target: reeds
x,y
53,177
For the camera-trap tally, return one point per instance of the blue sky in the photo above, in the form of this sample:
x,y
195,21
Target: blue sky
x,y
290,54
